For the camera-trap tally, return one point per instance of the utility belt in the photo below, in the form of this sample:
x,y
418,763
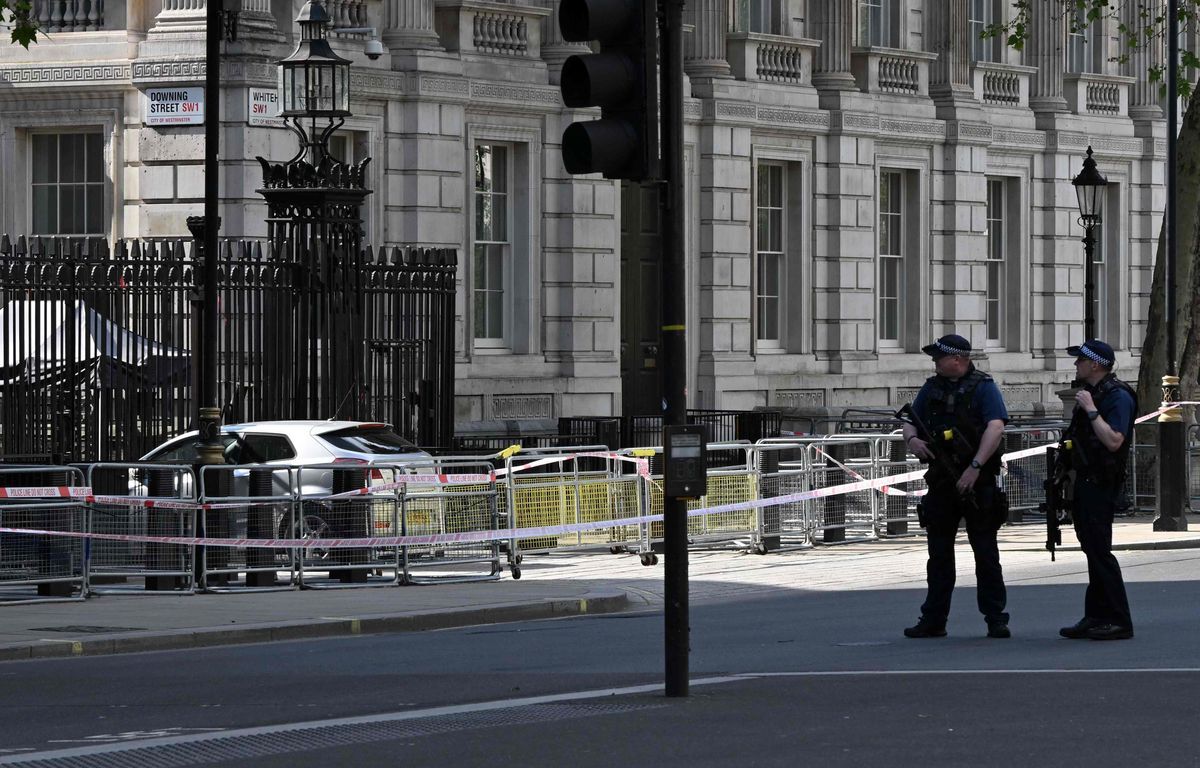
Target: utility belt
x,y
1106,475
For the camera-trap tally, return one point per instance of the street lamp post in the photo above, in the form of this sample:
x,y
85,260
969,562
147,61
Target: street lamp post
x,y
1089,187
314,83
1172,435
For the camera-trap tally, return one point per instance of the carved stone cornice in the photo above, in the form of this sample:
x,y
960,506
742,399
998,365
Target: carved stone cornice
x,y
169,71
524,95
923,129
1022,139
794,117
965,132
116,74
853,122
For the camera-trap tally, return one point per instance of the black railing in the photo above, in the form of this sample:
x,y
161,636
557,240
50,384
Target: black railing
x,y
95,345
641,431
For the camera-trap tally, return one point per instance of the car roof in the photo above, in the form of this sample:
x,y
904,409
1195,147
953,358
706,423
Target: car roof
x,y
291,427
299,426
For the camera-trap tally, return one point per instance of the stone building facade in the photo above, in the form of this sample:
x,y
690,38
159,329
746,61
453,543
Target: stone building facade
x,y
863,176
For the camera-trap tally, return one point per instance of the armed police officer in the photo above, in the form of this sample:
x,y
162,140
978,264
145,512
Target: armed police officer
x,y
1099,436
957,424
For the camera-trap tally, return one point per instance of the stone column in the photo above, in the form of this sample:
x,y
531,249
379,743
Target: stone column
x,y
1144,100
176,16
704,49
1046,51
555,50
833,23
950,73
409,26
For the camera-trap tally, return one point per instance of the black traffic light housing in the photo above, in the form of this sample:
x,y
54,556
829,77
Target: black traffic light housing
x,y
621,79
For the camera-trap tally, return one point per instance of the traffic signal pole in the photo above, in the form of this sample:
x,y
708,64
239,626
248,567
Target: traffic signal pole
x,y
624,143
674,319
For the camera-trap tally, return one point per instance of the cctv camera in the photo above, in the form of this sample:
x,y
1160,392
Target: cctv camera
x,y
373,49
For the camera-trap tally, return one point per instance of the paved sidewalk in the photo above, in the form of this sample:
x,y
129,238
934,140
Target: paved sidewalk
x,y
553,586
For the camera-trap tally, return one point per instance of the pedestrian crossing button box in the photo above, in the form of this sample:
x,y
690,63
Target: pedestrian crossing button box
x,y
685,454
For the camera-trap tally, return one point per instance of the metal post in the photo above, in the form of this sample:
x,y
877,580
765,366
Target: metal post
x,y
208,415
1089,282
1172,435
206,229
674,318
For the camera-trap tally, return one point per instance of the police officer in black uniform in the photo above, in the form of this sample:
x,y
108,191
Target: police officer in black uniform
x,y
960,418
1101,429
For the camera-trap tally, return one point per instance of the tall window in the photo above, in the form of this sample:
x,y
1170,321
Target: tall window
x,y
891,255
982,16
68,184
765,17
1099,273
873,22
493,242
769,248
996,248
1081,42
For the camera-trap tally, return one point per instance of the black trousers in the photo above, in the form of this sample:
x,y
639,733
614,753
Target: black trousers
x,y
943,513
1093,510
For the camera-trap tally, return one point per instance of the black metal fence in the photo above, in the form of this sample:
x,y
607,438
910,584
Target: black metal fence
x,y
642,431
95,344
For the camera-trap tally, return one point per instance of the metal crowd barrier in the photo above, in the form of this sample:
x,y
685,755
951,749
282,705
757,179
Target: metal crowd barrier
x,y
321,514
780,464
142,500
896,507
248,502
1024,479
836,460
570,492
42,567
737,481
465,502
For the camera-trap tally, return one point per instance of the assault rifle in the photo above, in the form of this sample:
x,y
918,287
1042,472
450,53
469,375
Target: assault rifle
x,y
947,469
1060,489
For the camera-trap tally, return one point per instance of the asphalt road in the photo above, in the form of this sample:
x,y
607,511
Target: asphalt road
x,y
796,677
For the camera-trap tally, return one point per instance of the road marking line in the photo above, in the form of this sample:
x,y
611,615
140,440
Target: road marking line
x,y
416,714
902,672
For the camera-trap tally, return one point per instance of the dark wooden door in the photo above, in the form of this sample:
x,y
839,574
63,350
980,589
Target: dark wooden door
x,y
641,304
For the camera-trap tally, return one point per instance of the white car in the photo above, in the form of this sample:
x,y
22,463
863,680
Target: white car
x,y
296,443
293,444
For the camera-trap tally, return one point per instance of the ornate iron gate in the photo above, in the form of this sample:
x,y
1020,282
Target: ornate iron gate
x,y
95,344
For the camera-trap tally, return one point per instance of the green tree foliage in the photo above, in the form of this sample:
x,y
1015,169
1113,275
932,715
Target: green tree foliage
x,y
1087,15
17,15
1150,26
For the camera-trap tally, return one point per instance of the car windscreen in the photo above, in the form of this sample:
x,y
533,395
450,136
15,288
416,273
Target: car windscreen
x,y
378,440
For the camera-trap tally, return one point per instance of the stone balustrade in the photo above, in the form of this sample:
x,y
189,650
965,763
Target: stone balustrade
x,y
1002,85
890,70
347,13
1096,94
493,29
770,58
69,15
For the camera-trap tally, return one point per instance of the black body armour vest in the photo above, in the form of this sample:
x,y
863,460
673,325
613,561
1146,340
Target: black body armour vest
x,y
949,407
1104,467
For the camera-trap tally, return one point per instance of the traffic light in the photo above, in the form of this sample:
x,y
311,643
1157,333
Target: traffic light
x,y
621,80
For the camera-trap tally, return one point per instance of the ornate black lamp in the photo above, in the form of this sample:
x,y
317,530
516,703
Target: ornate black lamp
x,y
1089,187
314,83
314,196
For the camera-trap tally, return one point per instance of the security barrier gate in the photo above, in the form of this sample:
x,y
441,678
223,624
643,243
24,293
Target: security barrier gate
x,y
65,532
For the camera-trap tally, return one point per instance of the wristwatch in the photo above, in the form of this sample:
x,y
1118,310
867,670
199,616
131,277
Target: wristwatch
x,y
1093,415
975,464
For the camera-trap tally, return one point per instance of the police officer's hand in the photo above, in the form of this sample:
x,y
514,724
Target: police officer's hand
x,y
966,481
920,449
1084,399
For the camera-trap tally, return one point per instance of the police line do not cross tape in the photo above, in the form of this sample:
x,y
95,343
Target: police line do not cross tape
x,y
83,494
